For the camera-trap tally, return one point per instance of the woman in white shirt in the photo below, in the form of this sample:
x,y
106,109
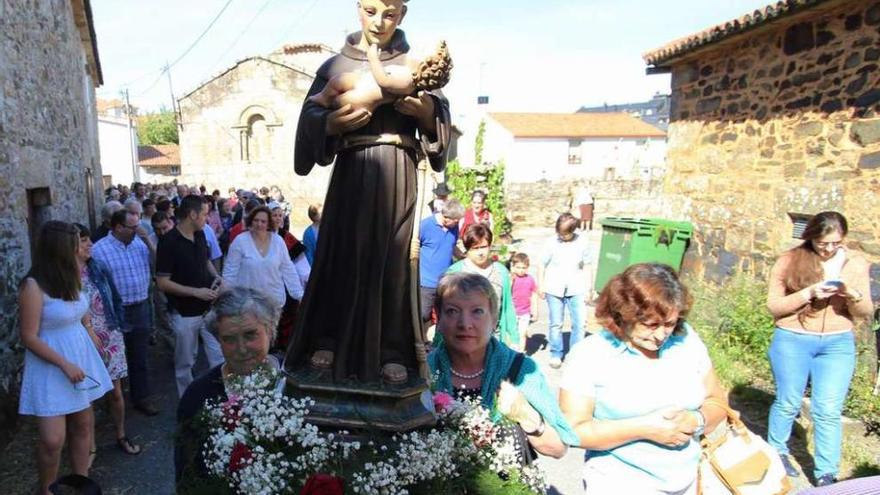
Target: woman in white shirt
x,y
258,259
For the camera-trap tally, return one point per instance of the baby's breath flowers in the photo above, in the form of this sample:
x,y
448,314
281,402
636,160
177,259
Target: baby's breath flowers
x,y
260,443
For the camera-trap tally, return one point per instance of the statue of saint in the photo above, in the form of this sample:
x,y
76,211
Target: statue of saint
x,y
356,318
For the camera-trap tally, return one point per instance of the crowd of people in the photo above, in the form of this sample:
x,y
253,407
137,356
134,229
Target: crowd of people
x,y
94,302
227,274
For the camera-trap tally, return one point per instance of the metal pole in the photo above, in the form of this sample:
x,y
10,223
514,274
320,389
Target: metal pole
x,y
135,171
170,88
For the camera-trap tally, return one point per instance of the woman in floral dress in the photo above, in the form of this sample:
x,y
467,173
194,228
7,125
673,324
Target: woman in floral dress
x,y
105,309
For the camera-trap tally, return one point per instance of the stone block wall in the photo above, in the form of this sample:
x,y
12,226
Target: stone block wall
x,y
214,116
780,120
538,204
48,139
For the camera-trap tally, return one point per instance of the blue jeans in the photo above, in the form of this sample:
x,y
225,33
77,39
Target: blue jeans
x,y
828,361
557,307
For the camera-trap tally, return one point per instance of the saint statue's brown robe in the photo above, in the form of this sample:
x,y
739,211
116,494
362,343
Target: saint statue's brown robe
x,y
358,303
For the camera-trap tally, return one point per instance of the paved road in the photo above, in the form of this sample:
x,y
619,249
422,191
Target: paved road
x,y
151,472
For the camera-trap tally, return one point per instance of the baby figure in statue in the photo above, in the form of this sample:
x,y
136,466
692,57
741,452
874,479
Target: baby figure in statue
x,y
385,84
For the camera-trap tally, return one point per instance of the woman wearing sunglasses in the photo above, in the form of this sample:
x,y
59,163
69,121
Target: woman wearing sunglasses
x,y
63,370
816,292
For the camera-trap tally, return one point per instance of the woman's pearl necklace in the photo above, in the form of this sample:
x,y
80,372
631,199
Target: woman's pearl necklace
x,y
467,377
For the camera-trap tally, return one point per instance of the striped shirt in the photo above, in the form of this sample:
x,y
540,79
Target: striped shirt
x,y
129,266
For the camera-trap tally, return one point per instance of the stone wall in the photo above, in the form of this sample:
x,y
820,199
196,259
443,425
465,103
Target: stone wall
x,y
47,140
780,120
214,121
538,204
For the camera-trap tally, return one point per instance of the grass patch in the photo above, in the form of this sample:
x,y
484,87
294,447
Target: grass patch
x,y
736,327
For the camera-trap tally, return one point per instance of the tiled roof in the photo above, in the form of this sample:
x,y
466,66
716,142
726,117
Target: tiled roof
x,y
306,48
575,125
103,105
159,155
714,34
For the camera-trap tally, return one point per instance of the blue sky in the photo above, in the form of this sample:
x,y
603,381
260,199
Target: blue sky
x,y
527,55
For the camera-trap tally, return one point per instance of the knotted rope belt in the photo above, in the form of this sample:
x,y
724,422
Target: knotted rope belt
x,y
399,140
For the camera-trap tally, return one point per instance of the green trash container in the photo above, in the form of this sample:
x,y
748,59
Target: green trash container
x,y
627,241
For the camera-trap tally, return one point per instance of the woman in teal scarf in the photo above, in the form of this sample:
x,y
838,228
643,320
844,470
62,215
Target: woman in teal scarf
x,y
470,362
477,240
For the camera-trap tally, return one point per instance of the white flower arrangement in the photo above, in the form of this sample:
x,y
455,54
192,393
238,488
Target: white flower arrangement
x,y
259,442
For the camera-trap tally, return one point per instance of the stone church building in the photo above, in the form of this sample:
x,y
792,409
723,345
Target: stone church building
x,y
238,128
49,160
774,117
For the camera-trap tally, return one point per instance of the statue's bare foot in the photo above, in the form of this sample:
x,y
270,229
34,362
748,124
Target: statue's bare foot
x,y
322,359
394,373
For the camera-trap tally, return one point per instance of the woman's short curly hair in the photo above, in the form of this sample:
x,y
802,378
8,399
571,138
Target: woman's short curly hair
x,y
434,72
249,219
643,291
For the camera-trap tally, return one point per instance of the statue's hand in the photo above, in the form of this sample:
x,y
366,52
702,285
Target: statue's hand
x,y
420,107
345,120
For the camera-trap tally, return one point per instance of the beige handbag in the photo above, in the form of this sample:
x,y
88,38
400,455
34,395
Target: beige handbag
x,y
735,461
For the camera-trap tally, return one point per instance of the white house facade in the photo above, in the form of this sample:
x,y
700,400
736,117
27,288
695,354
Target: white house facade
x,y
565,147
117,142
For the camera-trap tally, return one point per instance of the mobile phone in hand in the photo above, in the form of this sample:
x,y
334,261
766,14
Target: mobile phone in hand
x,y
216,284
833,284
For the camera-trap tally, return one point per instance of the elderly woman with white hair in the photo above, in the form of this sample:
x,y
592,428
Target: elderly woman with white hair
x,y
243,320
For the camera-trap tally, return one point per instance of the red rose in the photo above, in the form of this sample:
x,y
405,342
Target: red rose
x,y
323,484
239,457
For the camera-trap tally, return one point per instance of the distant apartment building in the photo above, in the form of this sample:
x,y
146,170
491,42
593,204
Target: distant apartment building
x,y
654,111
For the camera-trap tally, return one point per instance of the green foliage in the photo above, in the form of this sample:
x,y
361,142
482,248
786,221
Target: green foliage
x,y
476,482
744,323
736,327
861,401
158,128
478,143
490,178
486,176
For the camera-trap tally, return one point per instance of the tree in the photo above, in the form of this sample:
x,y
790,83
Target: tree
x,y
158,128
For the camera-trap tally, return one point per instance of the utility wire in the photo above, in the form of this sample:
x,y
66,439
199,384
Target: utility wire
x,y
153,84
196,42
299,20
164,70
240,35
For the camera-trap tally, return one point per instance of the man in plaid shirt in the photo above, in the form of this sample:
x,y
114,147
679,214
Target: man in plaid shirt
x,y
129,261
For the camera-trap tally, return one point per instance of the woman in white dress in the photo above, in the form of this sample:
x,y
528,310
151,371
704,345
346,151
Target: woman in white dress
x,y
258,259
63,370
